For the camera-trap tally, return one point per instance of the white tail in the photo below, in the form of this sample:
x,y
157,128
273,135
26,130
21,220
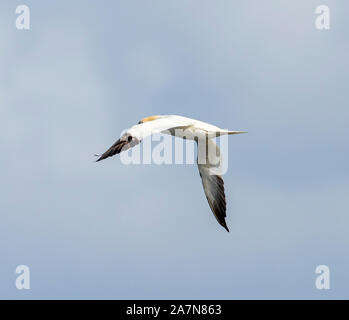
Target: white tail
x,y
236,132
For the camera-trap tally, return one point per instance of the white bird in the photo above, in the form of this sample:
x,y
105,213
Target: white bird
x,y
186,128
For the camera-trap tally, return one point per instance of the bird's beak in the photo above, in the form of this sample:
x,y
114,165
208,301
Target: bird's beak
x,y
116,148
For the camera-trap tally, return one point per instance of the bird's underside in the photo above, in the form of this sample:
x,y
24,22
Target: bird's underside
x,y
209,163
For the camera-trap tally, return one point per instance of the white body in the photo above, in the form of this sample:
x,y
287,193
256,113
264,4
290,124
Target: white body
x,y
209,163
167,124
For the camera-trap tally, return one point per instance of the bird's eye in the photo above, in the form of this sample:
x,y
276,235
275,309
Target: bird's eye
x,y
129,138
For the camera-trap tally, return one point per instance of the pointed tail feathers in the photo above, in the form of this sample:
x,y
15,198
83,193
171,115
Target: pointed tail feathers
x,y
236,132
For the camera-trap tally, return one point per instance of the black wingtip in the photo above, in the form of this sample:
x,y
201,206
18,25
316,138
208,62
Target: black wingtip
x,y
99,157
225,227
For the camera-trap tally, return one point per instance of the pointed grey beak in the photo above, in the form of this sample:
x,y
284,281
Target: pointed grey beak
x,y
116,148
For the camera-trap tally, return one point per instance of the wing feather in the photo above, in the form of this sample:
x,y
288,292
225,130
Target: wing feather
x,y
213,184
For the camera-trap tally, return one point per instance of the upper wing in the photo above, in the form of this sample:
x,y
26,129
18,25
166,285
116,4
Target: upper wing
x,y
212,182
145,128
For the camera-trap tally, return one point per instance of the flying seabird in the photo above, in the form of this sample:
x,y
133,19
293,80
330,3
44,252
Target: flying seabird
x,y
185,128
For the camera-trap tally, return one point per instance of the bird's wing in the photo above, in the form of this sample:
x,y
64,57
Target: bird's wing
x,y
162,124
212,181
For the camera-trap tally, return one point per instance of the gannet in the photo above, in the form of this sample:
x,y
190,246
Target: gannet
x,y
191,129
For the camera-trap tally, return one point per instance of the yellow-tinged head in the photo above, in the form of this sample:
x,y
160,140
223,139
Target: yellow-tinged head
x,y
151,118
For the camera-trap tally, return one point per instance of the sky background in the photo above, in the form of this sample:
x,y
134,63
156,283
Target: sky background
x,y
87,70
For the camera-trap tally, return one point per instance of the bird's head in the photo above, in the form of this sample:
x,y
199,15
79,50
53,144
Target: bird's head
x,y
126,141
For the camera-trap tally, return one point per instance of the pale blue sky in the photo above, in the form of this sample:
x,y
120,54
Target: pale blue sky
x,y
86,70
